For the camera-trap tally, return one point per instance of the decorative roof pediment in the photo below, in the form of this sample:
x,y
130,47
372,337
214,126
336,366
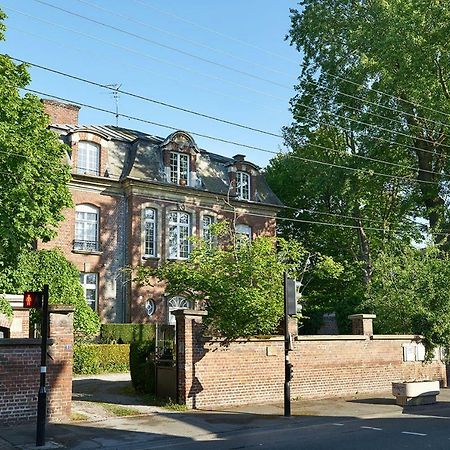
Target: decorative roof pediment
x,y
181,141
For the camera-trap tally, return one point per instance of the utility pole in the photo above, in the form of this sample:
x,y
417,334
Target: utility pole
x,y
42,395
287,365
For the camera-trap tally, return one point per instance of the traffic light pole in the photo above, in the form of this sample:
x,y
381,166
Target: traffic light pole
x,y
42,395
287,365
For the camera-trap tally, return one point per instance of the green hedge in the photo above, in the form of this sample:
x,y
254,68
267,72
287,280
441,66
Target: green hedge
x,y
99,358
142,367
126,333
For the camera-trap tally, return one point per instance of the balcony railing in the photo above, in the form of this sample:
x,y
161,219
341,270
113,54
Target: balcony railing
x,y
86,246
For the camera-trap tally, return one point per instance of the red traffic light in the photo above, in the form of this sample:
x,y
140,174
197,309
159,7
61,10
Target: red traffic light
x,y
32,299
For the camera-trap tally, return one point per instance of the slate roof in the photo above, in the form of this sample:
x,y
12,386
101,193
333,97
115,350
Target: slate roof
x,y
136,154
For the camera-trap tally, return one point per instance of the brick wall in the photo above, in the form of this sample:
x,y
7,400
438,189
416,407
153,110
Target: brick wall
x,y
19,372
215,373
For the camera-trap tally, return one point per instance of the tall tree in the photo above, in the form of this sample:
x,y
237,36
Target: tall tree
x,y
372,95
33,176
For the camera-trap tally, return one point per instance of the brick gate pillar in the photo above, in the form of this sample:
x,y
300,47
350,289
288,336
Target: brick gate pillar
x,y
60,362
189,351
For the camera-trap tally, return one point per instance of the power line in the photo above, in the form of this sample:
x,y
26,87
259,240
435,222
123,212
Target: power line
x,y
162,61
182,37
238,144
251,89
186,53
159,44
140,68
149,99
276,55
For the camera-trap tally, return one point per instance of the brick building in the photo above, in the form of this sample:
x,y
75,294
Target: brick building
x,y
137,200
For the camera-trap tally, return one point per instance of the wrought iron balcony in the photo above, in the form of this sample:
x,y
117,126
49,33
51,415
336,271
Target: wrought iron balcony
x,y
86,246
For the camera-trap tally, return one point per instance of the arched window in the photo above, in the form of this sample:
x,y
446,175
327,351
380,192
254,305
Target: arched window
x,y
149,225
176,303
88,158
179,232
86,228
243,185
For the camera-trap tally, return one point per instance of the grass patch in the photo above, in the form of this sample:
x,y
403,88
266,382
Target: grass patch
x,y
78,417
168,403
120,411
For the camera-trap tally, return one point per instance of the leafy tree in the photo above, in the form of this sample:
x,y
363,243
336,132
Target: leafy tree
x,y
6,308
33,177
410,293
36,268
354,51
239,282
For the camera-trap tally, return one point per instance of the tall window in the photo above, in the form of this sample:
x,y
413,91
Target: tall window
x,y
86,228
179,168
206,229
89,283
243,185
149,232
88,159
179,232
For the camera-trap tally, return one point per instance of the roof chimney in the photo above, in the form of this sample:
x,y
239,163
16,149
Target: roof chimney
x,y
61,113
238,158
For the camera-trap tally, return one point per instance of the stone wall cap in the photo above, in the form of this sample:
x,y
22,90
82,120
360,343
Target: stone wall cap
x,y
361,316
397,337
61,308
16,342
189,312
332,337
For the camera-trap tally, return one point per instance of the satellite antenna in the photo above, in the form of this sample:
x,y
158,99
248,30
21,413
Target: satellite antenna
x,y
115,94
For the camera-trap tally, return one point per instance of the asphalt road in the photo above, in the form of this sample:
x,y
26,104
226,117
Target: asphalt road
x,y
360,422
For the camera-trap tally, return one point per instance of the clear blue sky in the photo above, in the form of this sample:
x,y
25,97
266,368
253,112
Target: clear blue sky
x,y
247,36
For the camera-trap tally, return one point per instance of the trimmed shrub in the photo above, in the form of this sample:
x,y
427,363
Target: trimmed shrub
x,y
89,359
142,367
126,333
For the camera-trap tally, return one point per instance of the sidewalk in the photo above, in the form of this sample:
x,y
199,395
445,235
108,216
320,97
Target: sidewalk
x,y
156,427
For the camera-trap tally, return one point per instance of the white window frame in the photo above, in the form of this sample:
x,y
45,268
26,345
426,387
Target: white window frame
x,y
85,239
176,170
243,231
243,185
174,304
90,287
207,221
150,231
178,231
88,158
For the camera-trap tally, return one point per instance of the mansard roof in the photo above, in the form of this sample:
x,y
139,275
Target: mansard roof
x,y
138,155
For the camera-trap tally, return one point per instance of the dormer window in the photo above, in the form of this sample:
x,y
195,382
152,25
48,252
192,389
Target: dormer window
x,y
179,168
243,185
88,158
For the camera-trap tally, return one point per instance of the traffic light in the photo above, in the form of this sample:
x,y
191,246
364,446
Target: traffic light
x,y
290,371
293,295
32,299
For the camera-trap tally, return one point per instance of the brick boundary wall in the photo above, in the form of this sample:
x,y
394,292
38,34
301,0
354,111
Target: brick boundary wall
x,y
214,372
20,367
